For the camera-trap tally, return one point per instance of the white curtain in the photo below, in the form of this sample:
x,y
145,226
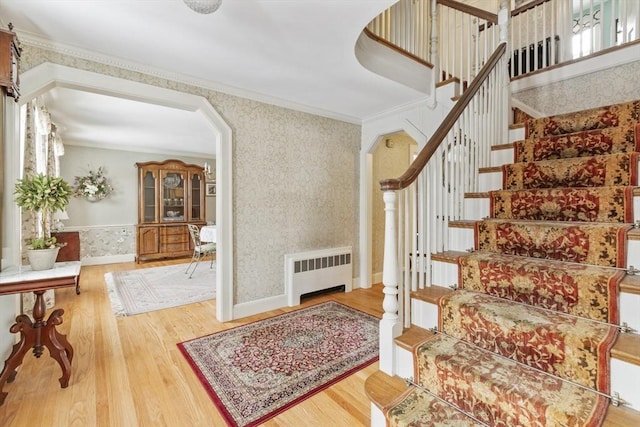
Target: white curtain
x,y
41,150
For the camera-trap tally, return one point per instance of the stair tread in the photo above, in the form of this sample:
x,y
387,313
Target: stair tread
x,y
627,348
619,416
431,294
413,336
490,169
630,284
477,195
448,256
383,389
507,146
462,223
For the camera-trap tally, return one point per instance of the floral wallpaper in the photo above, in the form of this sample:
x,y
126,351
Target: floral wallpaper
x,y
618,84
295,178
106,240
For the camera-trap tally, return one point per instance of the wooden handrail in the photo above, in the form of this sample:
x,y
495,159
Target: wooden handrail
x,y
398,49
480,13
434,142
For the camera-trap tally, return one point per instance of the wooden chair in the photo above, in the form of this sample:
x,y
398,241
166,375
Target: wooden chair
x,y
200,250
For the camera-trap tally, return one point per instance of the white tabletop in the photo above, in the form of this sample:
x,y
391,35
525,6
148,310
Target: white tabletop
x,y
208,234
24,273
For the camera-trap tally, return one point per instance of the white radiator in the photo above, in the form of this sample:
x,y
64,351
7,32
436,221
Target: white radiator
x,y
314,271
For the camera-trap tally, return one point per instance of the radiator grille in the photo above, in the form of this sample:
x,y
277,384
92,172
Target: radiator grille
x,y
314,271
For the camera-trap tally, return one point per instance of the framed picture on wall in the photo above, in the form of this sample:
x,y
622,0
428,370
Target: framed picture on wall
x,y
210,189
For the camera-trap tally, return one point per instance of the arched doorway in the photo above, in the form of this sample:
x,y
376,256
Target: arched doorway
x,y
46,76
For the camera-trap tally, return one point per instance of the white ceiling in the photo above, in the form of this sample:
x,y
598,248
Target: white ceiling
x,y
293,53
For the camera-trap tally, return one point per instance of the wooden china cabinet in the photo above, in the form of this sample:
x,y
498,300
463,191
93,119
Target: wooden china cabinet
x,y
170,196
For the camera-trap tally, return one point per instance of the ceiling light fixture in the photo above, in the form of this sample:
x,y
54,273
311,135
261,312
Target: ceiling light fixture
x,y
203,6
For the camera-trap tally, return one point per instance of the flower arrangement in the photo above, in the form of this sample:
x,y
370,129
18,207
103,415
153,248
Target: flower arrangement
x,y
92,187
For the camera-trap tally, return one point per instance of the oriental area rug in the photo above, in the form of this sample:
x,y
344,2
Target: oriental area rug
x,y
256,371
150,289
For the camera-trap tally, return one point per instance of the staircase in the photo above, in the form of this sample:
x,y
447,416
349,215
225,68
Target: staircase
x,y
530,333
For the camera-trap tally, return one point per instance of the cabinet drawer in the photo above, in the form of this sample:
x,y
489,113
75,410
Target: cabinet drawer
x,y
175,230
174,247
174,238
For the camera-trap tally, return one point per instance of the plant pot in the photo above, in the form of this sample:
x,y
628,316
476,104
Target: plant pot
x,y
42,259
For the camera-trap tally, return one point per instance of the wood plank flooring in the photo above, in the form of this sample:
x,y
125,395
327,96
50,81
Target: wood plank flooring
x,y
128,371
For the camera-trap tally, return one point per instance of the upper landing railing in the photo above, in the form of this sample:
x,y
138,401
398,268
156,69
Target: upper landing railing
x,y
458,38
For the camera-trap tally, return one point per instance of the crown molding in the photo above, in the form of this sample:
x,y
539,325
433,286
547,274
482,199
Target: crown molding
x,y
33,40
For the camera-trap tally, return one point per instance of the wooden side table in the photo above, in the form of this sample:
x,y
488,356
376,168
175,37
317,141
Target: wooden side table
x,y
38,333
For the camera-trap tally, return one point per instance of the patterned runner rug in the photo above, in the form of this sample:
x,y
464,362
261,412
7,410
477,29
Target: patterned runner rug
x,y
581,290
593,243
619,139
599,204
149,289
255,371
499,391
569,347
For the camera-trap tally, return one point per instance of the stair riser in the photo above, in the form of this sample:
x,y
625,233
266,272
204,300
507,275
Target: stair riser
x,y
624,375
404,360
489,181
501,157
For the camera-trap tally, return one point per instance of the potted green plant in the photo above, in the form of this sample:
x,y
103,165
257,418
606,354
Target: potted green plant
x,y
45,195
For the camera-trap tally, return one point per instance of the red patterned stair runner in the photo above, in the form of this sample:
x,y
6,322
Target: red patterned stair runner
x,y
599,204
619,139
596,171
567,346
525,340
580,290
597,243
499,391
623,114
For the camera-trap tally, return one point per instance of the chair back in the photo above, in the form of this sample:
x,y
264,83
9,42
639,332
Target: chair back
x,y
194,232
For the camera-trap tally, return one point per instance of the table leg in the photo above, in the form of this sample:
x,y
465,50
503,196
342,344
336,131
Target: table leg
x,y
59,348
37,335
27,341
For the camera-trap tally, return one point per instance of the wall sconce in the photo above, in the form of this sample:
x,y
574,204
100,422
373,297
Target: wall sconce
x,y
209,174
388,143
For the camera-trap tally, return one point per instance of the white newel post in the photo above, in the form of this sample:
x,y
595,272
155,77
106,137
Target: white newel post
x,y
390,325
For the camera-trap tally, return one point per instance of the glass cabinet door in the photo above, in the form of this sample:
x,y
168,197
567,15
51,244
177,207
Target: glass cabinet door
x,y
172,196
149,208
197,197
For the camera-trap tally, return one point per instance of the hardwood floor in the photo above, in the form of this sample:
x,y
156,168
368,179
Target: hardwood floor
x,y
128,371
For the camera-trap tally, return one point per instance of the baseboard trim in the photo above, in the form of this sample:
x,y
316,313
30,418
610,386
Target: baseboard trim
x,y
108,259
259,306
